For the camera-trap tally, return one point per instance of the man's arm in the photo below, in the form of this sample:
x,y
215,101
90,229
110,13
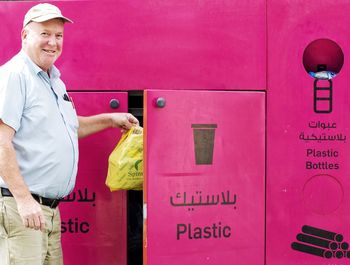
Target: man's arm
x,y
29,209
93,124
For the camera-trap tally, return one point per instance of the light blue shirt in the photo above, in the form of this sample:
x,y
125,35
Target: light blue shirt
x,y
46,125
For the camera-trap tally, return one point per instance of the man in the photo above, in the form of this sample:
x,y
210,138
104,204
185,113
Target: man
x,y
39,130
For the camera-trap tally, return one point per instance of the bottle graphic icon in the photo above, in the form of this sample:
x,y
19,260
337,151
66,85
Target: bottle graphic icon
x,y
323,96
323,60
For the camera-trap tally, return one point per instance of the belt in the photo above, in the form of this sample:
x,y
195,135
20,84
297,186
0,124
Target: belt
x,y
52,203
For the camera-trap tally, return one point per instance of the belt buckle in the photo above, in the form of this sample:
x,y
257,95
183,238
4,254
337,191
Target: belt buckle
x,y
54,203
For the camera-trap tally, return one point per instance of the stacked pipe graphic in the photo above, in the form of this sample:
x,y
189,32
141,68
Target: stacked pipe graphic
x,y
322,243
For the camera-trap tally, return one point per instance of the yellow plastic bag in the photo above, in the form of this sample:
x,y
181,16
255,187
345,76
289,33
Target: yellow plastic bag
x,y
125,163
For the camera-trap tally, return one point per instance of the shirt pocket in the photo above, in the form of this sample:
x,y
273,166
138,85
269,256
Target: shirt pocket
x,y
70,115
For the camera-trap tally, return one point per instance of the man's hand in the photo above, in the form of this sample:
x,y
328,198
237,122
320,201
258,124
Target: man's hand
x,y
31,213
123,120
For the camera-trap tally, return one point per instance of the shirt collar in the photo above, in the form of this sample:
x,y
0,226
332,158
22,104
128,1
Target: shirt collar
x,y
54,72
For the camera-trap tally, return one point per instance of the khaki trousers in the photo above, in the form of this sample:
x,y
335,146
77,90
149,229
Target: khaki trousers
x,y
24,246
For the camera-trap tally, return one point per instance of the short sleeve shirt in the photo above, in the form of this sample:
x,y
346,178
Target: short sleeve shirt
x,y
42,114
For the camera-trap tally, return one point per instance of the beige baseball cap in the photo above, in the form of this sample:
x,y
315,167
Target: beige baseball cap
x,y
43,12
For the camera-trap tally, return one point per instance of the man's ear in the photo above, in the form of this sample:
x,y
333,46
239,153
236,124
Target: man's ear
x,y
24,34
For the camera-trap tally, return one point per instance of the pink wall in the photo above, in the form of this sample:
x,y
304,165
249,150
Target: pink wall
x,y
173,44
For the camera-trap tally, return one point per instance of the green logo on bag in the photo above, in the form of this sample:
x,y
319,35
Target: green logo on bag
x,y
137,164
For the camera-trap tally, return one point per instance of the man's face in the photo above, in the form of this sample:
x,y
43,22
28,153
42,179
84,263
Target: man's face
x,y
43,42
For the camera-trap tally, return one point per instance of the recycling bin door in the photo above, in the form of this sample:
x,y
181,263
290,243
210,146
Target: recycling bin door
x,y
93,218
205,174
